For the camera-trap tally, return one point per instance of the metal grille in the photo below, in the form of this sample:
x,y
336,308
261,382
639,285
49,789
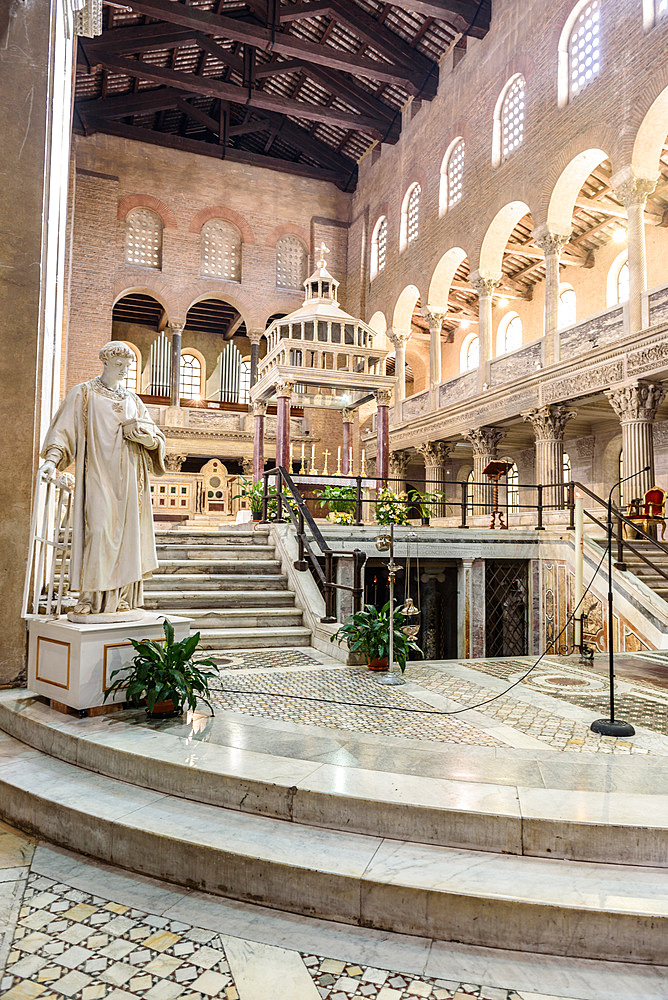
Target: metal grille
x,y
456,173
507,607
220,249
413,213
290,262
512,116
143,238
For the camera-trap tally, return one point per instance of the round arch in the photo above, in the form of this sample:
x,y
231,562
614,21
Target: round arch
x,y
650,138
497,235
378,324
441,279
565,191
146,290
403,309
230,300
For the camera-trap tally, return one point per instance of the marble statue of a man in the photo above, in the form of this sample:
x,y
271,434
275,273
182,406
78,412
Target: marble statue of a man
x,y
107,432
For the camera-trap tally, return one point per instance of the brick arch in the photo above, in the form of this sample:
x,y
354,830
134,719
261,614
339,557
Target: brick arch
x,y
288,229
158,289
228,215
131,201
596,135
649,135
241,301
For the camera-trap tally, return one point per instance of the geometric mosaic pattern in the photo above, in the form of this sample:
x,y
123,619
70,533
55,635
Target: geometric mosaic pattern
x,y
72,944
391,712
337,980
262,659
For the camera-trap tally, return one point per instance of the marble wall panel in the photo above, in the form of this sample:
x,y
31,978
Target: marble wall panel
x,y
517,364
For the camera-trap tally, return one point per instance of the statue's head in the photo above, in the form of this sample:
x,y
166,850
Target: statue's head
x,y
116,357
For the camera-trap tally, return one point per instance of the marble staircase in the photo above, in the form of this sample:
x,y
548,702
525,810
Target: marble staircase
x,y
230,583
451,859
649,574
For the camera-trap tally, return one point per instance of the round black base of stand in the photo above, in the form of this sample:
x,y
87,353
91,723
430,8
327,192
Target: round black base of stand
x,y
605,727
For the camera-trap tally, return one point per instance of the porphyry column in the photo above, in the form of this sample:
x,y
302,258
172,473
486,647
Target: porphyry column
x,y
484,442
551,244
283,398
176,328
259,413
549,423
636,405
348,417
633,192
383,434
435,455
484,286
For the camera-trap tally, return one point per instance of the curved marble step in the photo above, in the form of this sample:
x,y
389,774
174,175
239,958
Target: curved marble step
x,y
507,818
525,904
253,638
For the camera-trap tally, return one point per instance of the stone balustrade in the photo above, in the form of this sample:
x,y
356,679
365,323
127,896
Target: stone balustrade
x,y
516,364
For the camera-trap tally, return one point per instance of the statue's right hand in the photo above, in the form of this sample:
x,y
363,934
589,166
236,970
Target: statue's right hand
x,y
47,471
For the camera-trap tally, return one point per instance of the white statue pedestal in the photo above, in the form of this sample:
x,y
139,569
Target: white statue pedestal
x,y
72,664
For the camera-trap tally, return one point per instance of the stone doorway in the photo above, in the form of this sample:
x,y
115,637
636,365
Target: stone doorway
x,y
506,607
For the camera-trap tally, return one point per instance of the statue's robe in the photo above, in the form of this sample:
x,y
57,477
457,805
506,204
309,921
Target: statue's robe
x,y
113,544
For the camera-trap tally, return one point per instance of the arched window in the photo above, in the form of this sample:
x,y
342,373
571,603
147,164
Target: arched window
x,y
470,353
191,377
567,307
244,381
584,45
509,333
131,380
410,216
452,176
512,489
220,250
143,238
618,280
469,493
378,247
509,119
291,262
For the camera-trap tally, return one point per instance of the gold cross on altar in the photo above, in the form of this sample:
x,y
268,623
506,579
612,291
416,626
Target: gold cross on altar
x,y
323,250
326,455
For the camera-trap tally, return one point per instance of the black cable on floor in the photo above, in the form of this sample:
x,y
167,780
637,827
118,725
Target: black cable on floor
x,y
419,711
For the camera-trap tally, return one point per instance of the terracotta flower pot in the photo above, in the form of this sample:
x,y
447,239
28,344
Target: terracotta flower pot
x,y
164,709
380,663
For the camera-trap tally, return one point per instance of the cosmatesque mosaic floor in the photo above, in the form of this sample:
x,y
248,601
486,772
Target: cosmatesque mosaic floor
x,y
70,928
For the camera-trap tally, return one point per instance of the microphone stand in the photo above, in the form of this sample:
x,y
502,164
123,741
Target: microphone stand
x,y
612,726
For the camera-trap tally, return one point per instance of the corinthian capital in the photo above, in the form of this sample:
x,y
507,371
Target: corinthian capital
x,y
632,190
638,401
549,422
551,243
484,440
399,464
284,388
347,415
176,326
484,284
255,336
260,409
435,319
435,453
383,397
399,337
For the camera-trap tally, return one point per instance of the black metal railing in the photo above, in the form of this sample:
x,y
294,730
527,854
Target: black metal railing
x,y
322,562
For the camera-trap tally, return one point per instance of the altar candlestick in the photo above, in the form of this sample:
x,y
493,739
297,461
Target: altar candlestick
x,y
326,454
303,466
338,461
363,463
350,461
290,462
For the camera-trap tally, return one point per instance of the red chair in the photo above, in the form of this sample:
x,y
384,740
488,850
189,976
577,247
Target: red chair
x,y
649,511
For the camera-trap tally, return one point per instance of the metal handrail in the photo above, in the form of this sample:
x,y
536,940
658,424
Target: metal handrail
x,y
300,519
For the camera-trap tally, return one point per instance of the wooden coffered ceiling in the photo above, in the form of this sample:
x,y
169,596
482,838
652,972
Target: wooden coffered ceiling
x,y
304,86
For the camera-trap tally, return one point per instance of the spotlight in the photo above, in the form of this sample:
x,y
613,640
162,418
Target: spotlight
x,y
502,303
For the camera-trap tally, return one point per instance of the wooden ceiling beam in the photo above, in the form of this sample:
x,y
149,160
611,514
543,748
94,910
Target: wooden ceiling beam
x,y
263,38
123,105
470,17
211,87
198,115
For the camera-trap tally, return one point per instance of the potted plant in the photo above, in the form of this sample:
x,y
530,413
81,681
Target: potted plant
x,y
253,493
392,508
425,502
341,501
164,675
368,632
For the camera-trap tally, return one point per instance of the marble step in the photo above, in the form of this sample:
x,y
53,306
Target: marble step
x,y
264,598
224,551
614,912
224,560
258,582
253,638
462,812
207,617
212,537
194,599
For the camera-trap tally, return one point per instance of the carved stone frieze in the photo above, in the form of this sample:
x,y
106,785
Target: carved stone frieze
x,y
435,453
647,358
584,381
583,447
414,406
549,422
484,440
636,402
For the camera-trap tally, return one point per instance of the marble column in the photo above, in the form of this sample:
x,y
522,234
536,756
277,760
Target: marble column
x,y
398,468
633,193
176,328
255,336
551,244
549,424
348,417
484,287
435,455
383,434
636,405
435,319
400,338
259,414
484,443
283,397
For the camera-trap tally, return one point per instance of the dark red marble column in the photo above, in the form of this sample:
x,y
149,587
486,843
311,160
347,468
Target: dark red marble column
x,y
383,436
283,396
259,411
